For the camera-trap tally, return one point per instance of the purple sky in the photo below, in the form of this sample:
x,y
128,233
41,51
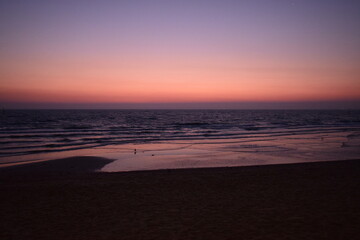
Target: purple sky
x,y
180,54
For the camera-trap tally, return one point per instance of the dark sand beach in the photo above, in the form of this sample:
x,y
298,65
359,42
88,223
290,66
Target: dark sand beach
x,y
66,199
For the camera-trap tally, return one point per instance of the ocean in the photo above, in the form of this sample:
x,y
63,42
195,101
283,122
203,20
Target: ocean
x,y
186,138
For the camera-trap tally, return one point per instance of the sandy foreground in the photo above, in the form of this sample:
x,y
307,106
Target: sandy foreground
x,y
66,199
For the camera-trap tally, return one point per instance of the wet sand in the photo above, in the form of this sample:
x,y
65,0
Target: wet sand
x,y
65,199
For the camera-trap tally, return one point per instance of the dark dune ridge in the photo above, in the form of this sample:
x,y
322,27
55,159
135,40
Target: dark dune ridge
x,y
63,200
69,165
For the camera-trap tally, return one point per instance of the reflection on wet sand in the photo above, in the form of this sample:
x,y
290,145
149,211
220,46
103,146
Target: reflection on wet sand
x,y
214,152
217,153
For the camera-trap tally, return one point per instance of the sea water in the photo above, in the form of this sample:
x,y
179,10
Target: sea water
x,y
158,139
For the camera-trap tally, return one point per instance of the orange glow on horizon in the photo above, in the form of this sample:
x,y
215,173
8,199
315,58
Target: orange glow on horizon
x,y
160,77
178,51
161,81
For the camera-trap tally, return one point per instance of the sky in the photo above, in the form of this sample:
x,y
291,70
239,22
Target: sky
x,y
180,54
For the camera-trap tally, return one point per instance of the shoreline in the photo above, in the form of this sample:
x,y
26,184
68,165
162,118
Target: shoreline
x,y
93,164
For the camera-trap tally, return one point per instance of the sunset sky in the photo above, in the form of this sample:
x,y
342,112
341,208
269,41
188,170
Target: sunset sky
x,y
179,54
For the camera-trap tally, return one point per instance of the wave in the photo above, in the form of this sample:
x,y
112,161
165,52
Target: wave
x,y
32,132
